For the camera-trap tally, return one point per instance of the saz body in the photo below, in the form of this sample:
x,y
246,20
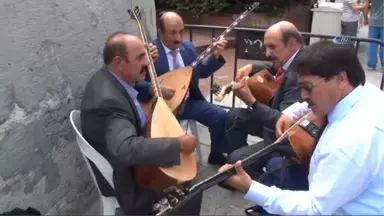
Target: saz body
x,y
163,124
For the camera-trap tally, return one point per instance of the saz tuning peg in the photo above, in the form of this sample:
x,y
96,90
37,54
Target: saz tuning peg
x,y
136,12
253,6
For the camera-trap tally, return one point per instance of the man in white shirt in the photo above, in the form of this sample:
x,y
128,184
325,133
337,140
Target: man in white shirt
x,y
346,168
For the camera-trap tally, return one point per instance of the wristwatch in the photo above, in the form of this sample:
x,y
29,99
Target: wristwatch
x,y
253,106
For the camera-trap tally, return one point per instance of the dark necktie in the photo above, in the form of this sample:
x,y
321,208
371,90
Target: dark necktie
x,y
279,77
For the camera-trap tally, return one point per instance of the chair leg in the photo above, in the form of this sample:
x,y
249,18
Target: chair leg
x,y
194,131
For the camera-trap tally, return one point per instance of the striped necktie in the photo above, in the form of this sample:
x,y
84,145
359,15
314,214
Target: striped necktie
x,y
176,65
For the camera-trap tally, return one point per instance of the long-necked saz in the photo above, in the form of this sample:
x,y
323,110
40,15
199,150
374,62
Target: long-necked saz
x,y
163,123
179,79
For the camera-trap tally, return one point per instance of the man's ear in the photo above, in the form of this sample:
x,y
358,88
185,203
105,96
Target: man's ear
x,y
291,42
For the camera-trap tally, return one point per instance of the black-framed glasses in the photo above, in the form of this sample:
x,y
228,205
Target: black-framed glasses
x,y
308,87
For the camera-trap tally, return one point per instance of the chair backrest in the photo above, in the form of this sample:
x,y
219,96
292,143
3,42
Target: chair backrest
x,y
89,152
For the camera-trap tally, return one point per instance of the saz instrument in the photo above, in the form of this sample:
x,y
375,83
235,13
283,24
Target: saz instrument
x,y
261,84
179,79
302,136
163,124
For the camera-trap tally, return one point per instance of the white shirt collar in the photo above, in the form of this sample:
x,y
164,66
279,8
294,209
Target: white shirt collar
x,y
166,49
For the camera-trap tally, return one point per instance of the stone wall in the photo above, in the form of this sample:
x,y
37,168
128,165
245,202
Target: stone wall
x,y
49,50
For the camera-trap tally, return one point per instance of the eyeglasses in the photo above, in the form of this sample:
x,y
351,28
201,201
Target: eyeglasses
x,y
308,87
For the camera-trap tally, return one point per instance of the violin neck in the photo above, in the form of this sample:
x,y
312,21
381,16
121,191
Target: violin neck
x,y
211,47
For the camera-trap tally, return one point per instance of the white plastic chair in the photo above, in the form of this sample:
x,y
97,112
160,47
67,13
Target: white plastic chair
x,y
109,203
192,129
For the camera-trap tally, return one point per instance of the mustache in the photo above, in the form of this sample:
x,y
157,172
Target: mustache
x,y
176,42
310,103
271,58
144,69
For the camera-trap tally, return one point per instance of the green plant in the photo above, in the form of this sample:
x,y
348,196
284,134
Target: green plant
x,y
197,7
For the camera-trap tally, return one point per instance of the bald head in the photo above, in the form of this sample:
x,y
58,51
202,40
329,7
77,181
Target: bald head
x,y
116,45
281,41
285,30
171,28
169,18
125,55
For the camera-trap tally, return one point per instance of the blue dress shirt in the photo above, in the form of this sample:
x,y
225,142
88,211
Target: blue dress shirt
x,y
133,94
346,175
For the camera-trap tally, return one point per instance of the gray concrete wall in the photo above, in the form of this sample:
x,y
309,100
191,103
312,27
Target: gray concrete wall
x,y
49,50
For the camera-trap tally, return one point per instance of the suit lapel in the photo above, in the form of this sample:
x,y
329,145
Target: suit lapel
x,y
288,73
115,83
184,55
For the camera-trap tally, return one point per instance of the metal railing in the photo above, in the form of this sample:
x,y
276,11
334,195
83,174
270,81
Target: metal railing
x,y
258,35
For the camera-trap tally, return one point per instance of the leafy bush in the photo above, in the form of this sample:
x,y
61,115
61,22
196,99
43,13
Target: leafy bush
x,y
199,7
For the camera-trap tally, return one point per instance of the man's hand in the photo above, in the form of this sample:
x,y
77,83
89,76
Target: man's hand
x,y
244,72
241,181
241,90
221,43
153,51
283,124
187,143
167,93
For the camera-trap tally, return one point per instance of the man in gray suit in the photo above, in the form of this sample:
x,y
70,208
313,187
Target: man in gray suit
x,y
113,123
282,41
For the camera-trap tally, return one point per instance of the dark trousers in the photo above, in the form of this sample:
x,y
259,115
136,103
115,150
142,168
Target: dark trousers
x,y
349,28
284,175
256,169
239,123
211,116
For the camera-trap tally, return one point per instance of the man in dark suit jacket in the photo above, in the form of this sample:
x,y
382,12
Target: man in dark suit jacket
x,y
175,53
113,122
282,41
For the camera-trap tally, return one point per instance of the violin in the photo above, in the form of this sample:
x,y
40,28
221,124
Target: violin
x,y
163,123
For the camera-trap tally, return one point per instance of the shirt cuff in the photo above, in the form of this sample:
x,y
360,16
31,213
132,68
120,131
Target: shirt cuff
x,y
293,111
258,193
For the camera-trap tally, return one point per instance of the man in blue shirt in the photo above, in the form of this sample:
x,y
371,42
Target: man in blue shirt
x,y
346,168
